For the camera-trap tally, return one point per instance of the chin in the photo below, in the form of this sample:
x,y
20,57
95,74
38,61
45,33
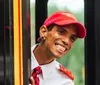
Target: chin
x,y
59,56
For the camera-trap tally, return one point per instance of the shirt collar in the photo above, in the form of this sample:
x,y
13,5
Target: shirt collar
x,y
34,62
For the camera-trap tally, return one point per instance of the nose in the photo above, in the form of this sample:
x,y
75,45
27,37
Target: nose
x,y
66,41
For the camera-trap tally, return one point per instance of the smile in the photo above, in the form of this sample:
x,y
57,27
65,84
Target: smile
x,y
60,48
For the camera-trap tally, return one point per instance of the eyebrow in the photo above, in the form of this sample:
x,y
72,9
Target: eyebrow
x,y
74,35
62,28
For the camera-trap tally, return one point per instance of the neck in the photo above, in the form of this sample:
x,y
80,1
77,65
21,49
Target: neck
x,y
42,56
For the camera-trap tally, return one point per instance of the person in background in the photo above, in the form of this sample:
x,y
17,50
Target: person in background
x,y
57,36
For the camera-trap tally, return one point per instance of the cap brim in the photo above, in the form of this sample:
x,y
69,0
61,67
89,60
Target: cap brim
x,y
80,28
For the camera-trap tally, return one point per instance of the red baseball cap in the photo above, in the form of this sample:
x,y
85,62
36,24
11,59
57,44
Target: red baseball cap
x,y
64,18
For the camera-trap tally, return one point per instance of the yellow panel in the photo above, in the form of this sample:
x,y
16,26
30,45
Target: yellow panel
x,y
18,67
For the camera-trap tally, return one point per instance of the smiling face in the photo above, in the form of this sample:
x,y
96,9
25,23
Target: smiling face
x,y
59,40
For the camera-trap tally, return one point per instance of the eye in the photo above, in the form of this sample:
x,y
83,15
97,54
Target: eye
x,y
73,38
61,31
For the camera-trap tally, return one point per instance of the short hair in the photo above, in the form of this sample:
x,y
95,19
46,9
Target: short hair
x,y
50,27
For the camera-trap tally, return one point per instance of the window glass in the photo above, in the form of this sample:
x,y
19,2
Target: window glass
x,y
32,14
74,60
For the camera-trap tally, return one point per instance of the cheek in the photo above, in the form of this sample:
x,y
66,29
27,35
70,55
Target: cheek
x,y
71,45
51,37
49,40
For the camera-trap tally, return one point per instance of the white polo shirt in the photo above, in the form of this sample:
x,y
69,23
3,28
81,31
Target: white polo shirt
x,y
51,75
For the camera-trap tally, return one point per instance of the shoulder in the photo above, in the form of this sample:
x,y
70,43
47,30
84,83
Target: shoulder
x,y
65,71
33,47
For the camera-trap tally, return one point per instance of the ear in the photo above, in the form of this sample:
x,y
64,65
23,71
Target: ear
x,y
43,31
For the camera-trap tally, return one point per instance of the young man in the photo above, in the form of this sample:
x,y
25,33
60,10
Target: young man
x,y
57,36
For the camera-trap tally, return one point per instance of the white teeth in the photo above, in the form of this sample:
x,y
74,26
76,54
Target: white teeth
x,y
61,48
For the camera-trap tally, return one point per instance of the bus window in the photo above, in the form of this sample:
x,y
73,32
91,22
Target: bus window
x,y
74,60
